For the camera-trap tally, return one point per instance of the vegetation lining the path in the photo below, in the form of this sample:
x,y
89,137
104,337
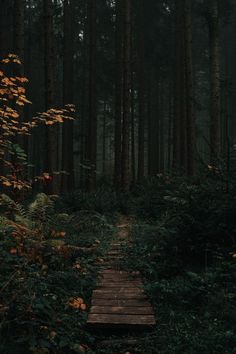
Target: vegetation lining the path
x,y
184,245
48,272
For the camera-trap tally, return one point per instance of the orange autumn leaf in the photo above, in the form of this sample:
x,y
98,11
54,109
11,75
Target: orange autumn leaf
x,y
83,307
76,303
77,265
52,334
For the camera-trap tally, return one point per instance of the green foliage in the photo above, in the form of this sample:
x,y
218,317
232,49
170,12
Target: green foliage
x,y
194,217
104,201
184,246
46,264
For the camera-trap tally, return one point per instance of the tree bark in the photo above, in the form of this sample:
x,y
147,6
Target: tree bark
x,y
177,89
6,22
68,91
153,126
126,96
141,92
92,107
215,105
189,90
118,93
19,42
51,132
104,139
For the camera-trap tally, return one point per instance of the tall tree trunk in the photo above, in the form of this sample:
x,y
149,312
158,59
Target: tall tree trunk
x,y
153,126
6,22
162,127
19,42
133,53
133,151
177,89
92,108
19,46
104,145
84,102
170,124
126,96
118,93
182,90
141,91
189,90
68,91
52,132
184,125
215,104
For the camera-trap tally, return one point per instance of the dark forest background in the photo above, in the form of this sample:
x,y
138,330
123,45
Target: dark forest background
x,y
127,122
153,83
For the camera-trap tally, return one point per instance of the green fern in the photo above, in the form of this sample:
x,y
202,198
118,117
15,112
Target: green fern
x,y
42,209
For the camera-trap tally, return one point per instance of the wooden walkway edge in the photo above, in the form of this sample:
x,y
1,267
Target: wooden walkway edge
x,y
119,300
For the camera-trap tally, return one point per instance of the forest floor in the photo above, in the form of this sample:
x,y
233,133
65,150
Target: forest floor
x,y
51,253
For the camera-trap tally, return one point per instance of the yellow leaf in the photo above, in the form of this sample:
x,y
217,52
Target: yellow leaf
x,y
76,303
52,334
7,183
83,307
17,61
77,266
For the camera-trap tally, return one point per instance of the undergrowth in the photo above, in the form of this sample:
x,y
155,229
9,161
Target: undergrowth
x,y
183,244
48,271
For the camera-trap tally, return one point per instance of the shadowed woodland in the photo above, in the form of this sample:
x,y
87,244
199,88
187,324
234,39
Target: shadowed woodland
x,y
117,160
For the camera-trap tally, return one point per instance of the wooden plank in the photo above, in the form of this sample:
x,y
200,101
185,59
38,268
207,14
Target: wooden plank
x,y
123,341
124,290
119,284
122,296
123,310
120,302
117,277
108,319
120,279
114,277
112,271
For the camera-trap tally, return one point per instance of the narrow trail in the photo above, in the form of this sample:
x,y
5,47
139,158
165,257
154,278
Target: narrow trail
x,y
119,301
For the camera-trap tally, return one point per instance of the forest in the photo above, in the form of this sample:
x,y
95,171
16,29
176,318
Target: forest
x,y
117,176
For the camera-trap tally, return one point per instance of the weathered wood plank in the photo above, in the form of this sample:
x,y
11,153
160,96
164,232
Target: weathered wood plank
x,y
122,290
123,277
122,310
119,284
113,272
122,296
116,277
110,319
120,302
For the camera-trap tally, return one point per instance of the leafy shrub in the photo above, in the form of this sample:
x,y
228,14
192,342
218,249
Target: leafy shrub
x,y
47,276
195,217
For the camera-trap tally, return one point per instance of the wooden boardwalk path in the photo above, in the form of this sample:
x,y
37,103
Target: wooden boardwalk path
x,y
119,300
